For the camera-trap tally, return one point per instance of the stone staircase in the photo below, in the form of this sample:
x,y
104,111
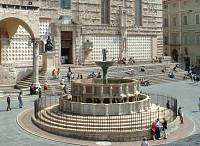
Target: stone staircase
x,y
54,86
160,78
153,74
27,81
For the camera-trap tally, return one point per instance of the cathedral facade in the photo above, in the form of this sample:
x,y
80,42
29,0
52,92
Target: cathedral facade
x,y
80,29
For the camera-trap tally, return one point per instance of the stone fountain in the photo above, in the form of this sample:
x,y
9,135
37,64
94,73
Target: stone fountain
x,y
102,109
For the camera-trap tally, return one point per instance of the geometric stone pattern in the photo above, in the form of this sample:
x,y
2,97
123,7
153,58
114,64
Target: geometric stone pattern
x,y
44,28
111,43
139,47
18,48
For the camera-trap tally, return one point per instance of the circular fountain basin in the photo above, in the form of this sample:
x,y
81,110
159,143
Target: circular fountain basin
x,y
104,63
117,97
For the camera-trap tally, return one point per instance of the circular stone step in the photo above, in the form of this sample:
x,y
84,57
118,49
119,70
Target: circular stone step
x,y
115,128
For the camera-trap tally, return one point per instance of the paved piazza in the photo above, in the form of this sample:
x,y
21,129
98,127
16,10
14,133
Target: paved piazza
x,y
186,92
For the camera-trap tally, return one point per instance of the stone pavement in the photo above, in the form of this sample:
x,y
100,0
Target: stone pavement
x,y
187,94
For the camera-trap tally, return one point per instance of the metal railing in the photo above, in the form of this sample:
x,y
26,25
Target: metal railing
x,y
132,122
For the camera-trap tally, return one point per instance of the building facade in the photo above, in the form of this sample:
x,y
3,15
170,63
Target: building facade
x,y
80,29
181,21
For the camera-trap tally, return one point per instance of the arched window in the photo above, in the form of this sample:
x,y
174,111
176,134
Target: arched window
x,y
65,4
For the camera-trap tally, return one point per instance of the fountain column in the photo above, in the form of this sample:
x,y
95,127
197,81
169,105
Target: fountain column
x,y
127,89
111,91
84,92
111,94
93,91
104,65
101,90
105,69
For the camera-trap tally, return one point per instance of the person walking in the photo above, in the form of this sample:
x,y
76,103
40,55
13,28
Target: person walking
x,y
145,142
8,103
69,76
40,93
197,80
153,130
81,76
20,100
164,128
168,104
45,87
65,89
78,76
158,129
199,104
58,73
180,114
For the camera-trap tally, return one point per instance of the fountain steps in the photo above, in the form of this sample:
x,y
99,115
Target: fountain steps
x,y
82,125
55,112
106,119
114,135
51,118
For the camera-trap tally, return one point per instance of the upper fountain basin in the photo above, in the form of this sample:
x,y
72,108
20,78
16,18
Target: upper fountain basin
x,y
104,63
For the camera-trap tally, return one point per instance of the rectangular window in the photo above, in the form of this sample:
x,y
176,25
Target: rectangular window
x,y
191,40
166,40
105,11
65,4
165,22
185,20
197,39
185,40
138,12
165,6
174,21
197,19
174,39
198,61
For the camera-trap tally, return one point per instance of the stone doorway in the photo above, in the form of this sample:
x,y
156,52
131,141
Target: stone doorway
x,y
175,55
187,63
66,47
0,50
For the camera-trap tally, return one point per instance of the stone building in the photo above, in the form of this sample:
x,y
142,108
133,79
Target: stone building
x,y
181,31
79,29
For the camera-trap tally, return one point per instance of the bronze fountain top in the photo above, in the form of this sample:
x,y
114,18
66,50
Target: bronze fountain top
x,y
104,65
